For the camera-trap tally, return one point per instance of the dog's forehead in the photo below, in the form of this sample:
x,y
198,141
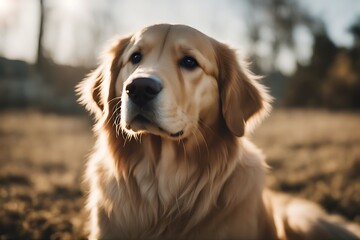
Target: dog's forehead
x,y
178,36
151,33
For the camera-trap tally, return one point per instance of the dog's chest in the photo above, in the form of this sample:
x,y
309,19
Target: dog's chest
x,y
152,196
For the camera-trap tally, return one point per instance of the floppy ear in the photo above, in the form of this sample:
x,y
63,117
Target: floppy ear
x,y
95,90
244,101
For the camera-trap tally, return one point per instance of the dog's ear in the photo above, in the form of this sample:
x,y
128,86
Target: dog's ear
x,y
244,101
96,88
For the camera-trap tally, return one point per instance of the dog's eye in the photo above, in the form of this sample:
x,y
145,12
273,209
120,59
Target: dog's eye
x,y
135,57
188,62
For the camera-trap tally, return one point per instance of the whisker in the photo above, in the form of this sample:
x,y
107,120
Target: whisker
x,y
115,98
115,109
125,136
117,120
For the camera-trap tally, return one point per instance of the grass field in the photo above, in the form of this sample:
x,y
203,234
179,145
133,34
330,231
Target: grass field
x,y
313,154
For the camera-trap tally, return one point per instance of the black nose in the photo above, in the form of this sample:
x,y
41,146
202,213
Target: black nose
x,y
143,90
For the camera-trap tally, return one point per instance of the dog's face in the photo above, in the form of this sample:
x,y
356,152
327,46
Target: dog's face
x,y
167,82
171,81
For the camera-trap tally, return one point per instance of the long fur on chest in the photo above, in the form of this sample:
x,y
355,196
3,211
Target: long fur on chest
x,y
156,187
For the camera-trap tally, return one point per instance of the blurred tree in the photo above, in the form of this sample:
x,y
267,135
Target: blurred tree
x,y
304,87
275,22
355,59
355,51
341,84
77,30
331,79
355,30
40,51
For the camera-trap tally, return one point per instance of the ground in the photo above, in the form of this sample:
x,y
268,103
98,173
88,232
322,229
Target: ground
x,y
313,154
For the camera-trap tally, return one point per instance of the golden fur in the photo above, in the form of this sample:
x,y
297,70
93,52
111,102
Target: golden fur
x,y
187,172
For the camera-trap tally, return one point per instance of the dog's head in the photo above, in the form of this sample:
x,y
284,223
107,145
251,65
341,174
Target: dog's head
x,y
171,81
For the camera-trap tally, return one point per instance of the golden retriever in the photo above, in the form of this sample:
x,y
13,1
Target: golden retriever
x,y
171,161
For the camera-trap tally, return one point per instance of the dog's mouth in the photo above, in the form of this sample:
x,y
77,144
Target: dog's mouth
x,y
142,119
143,124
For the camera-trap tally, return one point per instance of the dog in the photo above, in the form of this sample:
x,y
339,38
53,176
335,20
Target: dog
x,y
171,160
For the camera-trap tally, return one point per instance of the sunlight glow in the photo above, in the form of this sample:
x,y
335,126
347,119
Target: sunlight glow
x,y
71,6
6,8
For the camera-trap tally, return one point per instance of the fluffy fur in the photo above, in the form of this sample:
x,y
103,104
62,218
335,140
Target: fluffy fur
x,y
187,172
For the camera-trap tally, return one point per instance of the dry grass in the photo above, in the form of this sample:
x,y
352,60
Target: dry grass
x,y
314,154
42,159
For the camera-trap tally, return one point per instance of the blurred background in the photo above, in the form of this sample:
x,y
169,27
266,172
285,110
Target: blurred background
x,y
308,52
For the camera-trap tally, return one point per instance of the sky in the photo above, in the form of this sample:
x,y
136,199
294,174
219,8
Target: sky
x,y
72,37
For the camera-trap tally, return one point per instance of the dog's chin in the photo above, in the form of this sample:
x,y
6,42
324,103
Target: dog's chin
x,y
142,125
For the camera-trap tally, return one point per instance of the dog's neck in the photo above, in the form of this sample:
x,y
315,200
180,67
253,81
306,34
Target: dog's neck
x,y
170,178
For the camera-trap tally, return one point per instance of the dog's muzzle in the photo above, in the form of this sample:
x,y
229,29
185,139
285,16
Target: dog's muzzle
x,y
141,115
